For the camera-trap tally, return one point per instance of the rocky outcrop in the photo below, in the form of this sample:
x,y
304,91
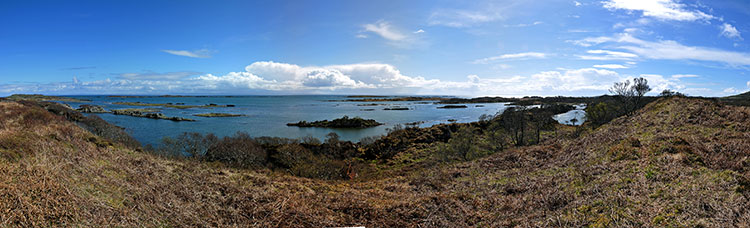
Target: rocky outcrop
x,y
91,109
150,115
453,106
344,122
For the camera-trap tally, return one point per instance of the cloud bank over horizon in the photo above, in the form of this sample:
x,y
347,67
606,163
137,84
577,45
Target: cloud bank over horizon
x,y
267,77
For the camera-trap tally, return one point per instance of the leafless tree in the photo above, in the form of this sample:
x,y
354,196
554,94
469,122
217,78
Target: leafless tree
x,y
631,95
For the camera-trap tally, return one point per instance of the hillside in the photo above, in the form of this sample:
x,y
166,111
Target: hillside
x,y
676,162
740,96
742,99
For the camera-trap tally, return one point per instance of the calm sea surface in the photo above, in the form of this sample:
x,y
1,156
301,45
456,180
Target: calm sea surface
x,y
268,115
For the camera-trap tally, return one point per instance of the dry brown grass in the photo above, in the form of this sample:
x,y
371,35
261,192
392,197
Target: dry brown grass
x,y
688,168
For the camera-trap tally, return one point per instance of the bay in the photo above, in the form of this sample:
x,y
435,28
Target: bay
x,y
268,115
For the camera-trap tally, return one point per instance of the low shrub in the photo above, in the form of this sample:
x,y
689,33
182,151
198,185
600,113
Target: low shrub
x,y
461,146
239,150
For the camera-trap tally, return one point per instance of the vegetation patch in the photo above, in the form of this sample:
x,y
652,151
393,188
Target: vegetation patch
x,y
452,106
344,122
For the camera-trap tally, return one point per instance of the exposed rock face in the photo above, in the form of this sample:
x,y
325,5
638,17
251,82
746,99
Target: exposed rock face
x,y
91,109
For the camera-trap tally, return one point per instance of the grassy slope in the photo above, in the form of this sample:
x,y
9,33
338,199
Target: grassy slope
x,y
676,162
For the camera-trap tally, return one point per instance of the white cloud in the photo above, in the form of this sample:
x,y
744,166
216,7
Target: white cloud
x,y
590,41
515,56
611,66
678,76
384,29
748,84
524,25
377,78
730,31
577,3
660,9
670,50
477,13
202,53
607,55
462,18
658,83
393,35
731,90
157,76
502,67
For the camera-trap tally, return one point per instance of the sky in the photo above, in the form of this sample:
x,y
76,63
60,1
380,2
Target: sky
x,y
435,47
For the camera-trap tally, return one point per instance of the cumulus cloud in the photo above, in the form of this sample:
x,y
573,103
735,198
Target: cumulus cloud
x,y
734,91
514,56
202,53
611,66
659,83
283,78
668,49
660,9
730,31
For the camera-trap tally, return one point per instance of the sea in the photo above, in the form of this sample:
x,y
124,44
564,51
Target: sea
x,y
268,115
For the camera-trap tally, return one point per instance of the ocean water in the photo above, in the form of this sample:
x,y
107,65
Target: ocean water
x,y
268,115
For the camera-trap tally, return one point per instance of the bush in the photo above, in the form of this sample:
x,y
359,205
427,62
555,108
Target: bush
x,y
461,146
239,151
91,123
369,140
291,155
309,140
602,113
191,144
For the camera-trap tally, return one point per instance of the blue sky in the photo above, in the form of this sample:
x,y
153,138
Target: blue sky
x,y
468,48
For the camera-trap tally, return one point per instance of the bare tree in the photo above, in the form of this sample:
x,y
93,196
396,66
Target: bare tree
x,y
621,89
631,95
640,88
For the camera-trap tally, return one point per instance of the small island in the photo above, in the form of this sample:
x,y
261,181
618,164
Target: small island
x,y
453,106
218,115
344,122
40,97
171,105
148,113
91,109
380,99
